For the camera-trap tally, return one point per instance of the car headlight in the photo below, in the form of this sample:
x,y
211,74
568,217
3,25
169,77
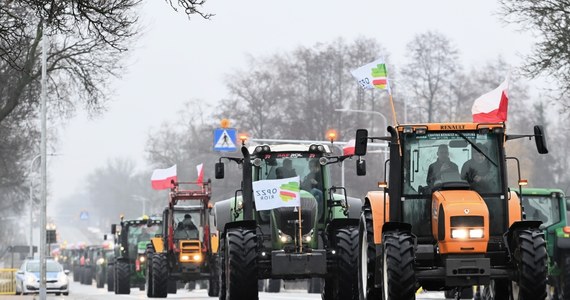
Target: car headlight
x,y
31,279
284,238
62,278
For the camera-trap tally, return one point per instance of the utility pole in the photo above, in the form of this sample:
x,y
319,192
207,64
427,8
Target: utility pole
x,y
43,163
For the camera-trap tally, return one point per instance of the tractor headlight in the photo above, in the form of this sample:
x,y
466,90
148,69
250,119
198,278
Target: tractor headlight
x,y
100,261
476,233
307,238
197,257
142,259
463,233
459,233
284,238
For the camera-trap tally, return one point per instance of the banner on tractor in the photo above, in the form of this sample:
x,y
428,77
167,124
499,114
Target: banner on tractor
x,y
275,193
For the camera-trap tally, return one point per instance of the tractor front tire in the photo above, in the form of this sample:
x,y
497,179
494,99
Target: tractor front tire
x,y
241,264
159,279
123,279
367,257
273,286
222,272
214,280
398,276
531,259
343,284
111,278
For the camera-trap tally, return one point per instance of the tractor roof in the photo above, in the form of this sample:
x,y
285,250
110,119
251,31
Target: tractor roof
x,y
290,147
451,126
540,191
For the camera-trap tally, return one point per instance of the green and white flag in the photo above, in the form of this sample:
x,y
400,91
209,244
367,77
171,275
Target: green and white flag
x,y
373,76
275,193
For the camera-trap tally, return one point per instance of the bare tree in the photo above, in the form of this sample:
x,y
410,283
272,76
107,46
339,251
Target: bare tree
x,y
430,74
551,19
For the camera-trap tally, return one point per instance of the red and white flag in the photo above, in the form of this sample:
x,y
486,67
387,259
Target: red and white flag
x,y
200,170
348,149
162,178
492,106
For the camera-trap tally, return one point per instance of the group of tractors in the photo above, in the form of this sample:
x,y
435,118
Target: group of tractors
x,y
444,219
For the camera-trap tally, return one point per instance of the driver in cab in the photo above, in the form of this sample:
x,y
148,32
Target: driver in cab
x,y
441,168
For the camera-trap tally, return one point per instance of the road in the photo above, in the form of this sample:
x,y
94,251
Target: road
x,y
83,292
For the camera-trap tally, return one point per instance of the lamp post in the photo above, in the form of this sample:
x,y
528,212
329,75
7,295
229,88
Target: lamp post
x,y
32,201
141,199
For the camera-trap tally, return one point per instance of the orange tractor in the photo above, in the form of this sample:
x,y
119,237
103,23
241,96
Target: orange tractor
x,y
187,249
446,219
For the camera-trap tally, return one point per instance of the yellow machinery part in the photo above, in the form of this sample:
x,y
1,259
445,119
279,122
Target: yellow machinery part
x,y
515,212
8,281
157,244
215,242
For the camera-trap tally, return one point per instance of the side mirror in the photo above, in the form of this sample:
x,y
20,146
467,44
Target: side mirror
x,y
361,142
104,237
540,139
113,228
219,170
360,167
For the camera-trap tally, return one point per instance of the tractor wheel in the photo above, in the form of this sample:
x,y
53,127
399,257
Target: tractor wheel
x,y
343,284
367,258
159,278
273,286
148,276
213,280
261,285
241,264
76,274
99,280
315,285
123,278
564,281
222,270
87,277
530,256
111,278
398,277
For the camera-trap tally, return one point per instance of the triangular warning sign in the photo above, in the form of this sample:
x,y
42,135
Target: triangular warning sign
x,y
225,141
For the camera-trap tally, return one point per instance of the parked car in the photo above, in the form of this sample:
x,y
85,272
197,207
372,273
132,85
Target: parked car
x,y
28,278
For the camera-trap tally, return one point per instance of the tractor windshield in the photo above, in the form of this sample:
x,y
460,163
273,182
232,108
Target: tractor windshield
x,y
461,159
287,165
543,208
187,225
139,236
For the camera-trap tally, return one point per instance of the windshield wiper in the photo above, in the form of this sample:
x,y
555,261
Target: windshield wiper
x,y
476,148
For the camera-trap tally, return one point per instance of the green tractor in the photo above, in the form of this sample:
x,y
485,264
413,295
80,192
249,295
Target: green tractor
x,y
129,263
316,240
549,207
103,256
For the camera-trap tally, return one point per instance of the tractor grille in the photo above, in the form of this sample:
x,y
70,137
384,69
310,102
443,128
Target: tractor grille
x,y
467,221
285,217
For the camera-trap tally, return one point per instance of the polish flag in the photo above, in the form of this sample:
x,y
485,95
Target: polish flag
x,y
200,170
162,178
492,106
348,149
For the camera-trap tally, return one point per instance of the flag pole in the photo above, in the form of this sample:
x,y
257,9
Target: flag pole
x,y
300,230
394,118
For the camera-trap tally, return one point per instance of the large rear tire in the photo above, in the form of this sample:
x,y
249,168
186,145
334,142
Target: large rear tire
x,y
123,278
213,280
159,278
531,260
343,284
222,272
111,278
398,276
564,281
99,280
241,264
367,258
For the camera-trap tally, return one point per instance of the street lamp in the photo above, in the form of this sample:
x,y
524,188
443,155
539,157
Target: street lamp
x,y
365,112
32,201
143,200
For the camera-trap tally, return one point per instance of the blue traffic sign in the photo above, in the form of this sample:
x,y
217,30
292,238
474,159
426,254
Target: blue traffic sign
x,y
225,139
84,215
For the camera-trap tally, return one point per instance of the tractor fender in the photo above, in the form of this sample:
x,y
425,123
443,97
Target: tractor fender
x,y
338,223
222,213
354,207
249,224
511,236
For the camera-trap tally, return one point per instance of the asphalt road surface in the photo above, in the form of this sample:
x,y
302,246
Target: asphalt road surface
x,y
83,292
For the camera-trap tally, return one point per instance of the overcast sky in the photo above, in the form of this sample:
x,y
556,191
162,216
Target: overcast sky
x,y
177,60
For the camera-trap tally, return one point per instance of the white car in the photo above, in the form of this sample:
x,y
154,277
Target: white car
x,y
28,278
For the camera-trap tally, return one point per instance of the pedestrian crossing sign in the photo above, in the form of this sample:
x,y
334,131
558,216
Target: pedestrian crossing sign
x,y
225,139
